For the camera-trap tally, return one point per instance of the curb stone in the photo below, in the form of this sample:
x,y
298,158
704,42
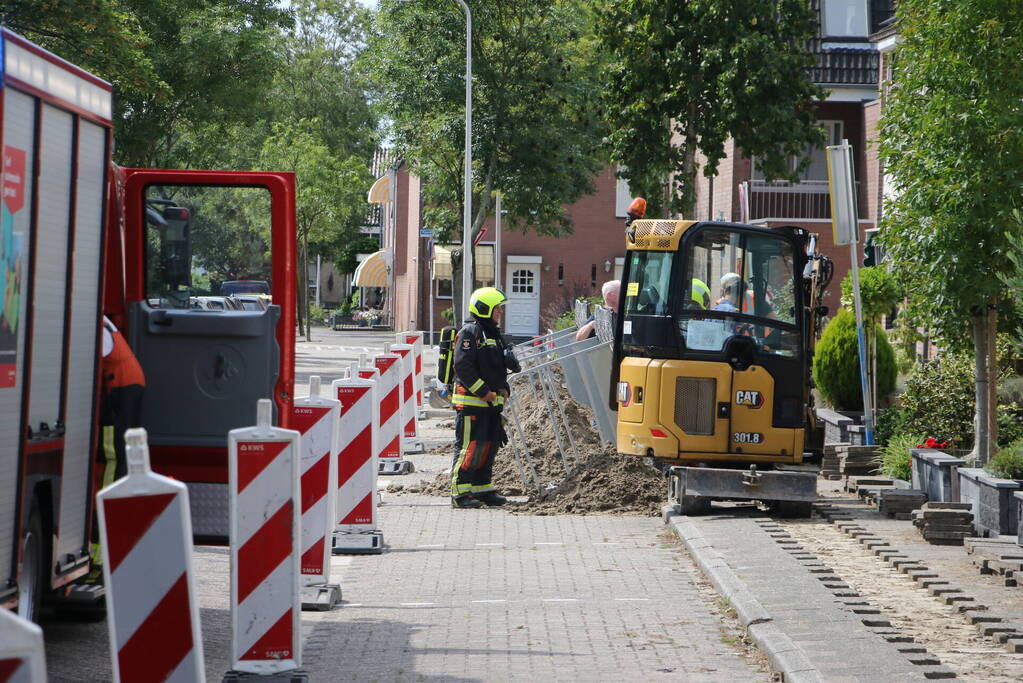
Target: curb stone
x,y
783,654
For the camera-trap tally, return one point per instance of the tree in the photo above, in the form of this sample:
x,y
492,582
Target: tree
x,y
684,77
953,148
536,137
836,367
330,197
879,294
182,70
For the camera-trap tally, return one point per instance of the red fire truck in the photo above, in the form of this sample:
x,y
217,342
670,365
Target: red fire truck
x,y
80,238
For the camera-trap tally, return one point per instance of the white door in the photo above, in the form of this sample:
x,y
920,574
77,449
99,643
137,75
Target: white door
x,y
523,308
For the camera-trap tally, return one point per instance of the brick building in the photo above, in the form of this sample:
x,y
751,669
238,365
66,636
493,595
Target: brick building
x,y
848,64
541,275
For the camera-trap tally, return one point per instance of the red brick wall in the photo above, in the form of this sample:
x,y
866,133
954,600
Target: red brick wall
x,y
597,237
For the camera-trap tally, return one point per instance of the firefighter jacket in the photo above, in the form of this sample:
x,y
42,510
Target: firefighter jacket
x,y
480,365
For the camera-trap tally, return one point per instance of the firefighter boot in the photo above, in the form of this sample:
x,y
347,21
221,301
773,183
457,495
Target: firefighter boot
x,y
467,502
491,498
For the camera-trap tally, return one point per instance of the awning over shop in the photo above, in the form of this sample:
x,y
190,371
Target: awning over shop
x,y
380,193
373,271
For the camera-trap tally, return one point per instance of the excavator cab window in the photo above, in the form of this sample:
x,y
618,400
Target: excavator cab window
x,y
738,283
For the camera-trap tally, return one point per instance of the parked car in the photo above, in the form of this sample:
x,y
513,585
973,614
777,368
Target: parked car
x,y
215,303
250,302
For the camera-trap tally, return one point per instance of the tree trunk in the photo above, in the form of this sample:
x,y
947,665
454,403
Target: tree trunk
x,y
303,285
981,416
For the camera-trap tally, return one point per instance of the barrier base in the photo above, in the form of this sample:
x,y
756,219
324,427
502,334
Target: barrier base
x,y
320,598
358,544
396,466
411,444
294,676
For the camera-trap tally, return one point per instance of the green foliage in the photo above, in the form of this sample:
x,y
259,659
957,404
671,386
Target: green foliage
x,y
535,78
1008,462
564,321
879,292
953,147
687,77
353,246
939,400
889,423
318,314
449,315
836,368
894,459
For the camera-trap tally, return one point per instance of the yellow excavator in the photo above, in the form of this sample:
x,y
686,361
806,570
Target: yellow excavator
x,y
713,349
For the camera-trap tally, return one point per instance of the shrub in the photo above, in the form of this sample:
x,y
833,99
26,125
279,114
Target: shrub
x,y
889,423
836,364
564,321
449,315
894,459
938,400
1008,462
317,314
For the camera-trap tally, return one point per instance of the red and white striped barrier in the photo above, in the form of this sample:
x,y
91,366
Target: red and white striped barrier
x,y
263,477
21,650
410,440
146,536
389,394
316,419
416,340
355,530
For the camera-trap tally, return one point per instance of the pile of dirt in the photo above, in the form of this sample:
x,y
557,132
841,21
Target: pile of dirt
x,y
601,481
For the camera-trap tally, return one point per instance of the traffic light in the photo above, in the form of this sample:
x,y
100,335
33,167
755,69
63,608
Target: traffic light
x,y
869,253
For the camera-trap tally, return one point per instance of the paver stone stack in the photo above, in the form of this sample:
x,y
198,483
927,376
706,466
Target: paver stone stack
x,y
857,460
900,503
944,523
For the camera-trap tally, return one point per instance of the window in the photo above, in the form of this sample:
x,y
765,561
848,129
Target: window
x,y
205,241
844,19
561,274
648,288
817,169
749,276
484,267
593,275
522,281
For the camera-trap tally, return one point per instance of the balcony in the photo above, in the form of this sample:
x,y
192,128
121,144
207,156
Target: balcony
x,y
804,200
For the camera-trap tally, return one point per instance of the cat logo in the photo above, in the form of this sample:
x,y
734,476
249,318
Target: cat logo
x,y
752,399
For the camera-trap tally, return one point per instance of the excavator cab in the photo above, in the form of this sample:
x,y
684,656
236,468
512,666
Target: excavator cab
x,y
713,343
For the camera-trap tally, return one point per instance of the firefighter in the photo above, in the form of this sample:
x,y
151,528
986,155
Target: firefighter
x,y
120,410
482,362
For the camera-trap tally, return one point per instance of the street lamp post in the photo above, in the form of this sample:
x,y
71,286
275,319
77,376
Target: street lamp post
x,y
467,189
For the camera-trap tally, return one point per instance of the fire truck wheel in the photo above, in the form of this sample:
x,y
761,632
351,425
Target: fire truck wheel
x,y
33,567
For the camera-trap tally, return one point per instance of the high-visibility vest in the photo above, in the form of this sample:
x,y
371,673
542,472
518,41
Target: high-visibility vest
x,y
119,365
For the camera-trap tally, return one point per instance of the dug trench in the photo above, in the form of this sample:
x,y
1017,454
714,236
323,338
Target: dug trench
x,y
599,481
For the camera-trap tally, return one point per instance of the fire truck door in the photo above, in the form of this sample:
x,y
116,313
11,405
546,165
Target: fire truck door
x,y
209,314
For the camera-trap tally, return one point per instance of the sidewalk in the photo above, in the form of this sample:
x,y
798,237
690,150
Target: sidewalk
x,y
483,595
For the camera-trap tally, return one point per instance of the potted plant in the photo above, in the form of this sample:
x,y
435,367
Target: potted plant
x,y
990,492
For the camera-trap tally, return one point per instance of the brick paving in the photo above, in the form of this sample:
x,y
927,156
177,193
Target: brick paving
x,y
544,598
